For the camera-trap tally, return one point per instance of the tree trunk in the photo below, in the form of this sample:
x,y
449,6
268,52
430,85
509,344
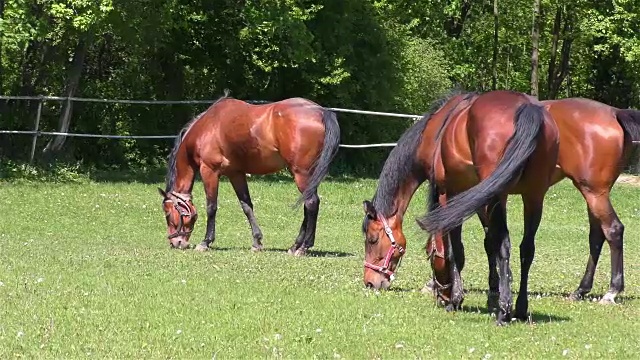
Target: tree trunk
x,y
74,72
506,81
535,38
558,72
1,68
454,26
555,38
494,83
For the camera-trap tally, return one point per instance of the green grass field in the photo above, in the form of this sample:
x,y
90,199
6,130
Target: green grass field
x,y
86,272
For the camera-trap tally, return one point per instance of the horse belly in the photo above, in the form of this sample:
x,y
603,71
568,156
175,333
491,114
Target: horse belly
x,y
257,161
266,164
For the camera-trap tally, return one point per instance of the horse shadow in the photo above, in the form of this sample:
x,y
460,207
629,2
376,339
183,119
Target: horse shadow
x,y
591,297
310,253
535,317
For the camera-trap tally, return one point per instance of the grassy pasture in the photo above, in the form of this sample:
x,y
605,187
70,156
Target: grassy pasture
x,y
85,272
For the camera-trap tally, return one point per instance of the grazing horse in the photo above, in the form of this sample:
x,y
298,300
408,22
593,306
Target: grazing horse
x,y
233,138
596,141
502,143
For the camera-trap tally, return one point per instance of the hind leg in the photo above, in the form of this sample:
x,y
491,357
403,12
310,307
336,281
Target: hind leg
x,y
455,252
604,224
492,260
596,240
501,246
306,236
532,216
240,186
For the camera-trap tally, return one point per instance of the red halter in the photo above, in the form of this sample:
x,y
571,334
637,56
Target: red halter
x,y
384,269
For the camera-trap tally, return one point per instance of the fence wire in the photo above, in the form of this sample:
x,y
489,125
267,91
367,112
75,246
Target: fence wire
x,y
36,133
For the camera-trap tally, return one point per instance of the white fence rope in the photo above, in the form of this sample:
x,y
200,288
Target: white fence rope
x,y
56,133
173,102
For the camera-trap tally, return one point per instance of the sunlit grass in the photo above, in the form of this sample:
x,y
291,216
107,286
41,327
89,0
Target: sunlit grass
x,y
85,271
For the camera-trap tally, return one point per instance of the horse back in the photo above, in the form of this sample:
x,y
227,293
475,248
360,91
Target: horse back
x,y
591,139
235,136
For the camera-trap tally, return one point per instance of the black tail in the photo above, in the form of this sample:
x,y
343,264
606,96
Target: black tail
x,y
329,150
629,119
529,120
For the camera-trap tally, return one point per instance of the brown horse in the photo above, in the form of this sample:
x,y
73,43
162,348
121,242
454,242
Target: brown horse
x,y
595,145
233,138
502,143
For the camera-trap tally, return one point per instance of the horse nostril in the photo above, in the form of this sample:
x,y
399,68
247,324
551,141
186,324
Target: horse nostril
x,y
369,285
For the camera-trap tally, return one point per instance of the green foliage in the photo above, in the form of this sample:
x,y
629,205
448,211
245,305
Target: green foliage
x,y
16,172
386,55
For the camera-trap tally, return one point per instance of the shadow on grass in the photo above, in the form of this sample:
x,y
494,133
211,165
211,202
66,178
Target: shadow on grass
x,y
592,297
310,253
535,317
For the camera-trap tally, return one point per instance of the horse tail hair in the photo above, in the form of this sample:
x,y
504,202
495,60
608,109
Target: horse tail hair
x,y
329,150
629,119
528,123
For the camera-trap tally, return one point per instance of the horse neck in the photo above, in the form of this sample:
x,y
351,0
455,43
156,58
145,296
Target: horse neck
x,y
185,173
402,197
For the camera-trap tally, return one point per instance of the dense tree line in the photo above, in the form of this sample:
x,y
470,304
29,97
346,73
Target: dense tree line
x,y
386,55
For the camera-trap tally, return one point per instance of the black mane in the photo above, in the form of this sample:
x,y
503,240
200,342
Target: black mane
x,y
400,163
171,162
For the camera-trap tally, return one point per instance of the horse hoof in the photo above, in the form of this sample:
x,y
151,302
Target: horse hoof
x,y
521,317
427,288
608,299
202,248
300,252
575,297
258,248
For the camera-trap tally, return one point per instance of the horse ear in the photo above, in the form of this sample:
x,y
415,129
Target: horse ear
x,y
162,193
369,209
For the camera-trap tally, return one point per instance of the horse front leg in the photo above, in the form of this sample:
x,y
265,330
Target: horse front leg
x,y
211,180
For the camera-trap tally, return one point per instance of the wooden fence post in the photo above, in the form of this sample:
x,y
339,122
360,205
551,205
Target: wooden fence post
x,y
36,128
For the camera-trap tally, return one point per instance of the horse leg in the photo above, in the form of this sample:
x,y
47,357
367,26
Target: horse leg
x,y
501,244
210,179
604,224
455,253
532,216
240,186
596,240
493,293
307,234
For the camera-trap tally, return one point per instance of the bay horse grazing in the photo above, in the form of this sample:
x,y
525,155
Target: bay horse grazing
x,y
502,143
233,138
405,169
596,141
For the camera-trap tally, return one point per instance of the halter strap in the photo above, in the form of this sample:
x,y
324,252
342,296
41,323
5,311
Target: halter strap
x,y
438,288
